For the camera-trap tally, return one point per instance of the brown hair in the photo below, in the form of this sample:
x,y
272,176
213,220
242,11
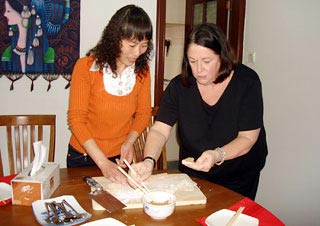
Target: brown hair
x,y
210,36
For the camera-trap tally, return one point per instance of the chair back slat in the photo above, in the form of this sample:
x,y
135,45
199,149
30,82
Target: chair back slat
x,y
22,131
18,148
40,132
141,141
52,143
10,151
25,154
32,139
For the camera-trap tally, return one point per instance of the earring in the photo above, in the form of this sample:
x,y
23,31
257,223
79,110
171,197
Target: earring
x,y
39,32
33,10
30,59
10,32
38,20
25,14
35,41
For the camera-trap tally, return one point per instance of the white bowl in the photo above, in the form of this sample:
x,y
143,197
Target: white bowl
x,y
159,204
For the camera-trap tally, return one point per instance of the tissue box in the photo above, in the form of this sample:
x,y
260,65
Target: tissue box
x,y
27,189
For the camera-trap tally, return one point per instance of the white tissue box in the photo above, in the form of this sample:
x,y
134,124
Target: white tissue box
x,y
27,189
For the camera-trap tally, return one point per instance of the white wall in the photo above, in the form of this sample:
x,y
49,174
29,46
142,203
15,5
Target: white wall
x,y
285,36
95,14
172,66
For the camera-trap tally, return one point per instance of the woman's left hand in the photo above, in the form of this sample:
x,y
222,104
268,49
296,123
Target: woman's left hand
x,y
143,171
126,153
205,162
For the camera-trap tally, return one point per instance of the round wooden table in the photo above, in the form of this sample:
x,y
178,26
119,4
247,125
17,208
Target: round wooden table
x,y
218,197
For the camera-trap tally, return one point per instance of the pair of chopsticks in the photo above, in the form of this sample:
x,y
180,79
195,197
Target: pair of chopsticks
x,y
143,188
235,216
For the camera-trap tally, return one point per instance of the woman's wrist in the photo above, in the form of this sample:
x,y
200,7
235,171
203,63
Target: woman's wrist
x,y
151,160
132,137
130,141
103,162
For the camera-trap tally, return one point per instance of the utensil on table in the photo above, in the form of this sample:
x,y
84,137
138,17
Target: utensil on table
x,y
103,197
55,219
69,216
235,216
75,214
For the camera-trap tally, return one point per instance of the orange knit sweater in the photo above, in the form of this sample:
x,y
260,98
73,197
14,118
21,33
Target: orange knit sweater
x,y
94,113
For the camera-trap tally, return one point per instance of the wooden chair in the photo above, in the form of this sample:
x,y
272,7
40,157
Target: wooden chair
x,y
140,143
22,131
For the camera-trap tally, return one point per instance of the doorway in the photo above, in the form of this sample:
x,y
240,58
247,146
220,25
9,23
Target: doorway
x,y
229,15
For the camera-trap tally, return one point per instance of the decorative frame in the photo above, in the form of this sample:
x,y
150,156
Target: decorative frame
x,y
39,38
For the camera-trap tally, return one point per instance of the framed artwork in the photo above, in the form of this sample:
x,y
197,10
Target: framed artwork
x,y
39,38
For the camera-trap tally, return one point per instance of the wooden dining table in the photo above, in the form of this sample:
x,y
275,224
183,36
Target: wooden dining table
x,y
72,183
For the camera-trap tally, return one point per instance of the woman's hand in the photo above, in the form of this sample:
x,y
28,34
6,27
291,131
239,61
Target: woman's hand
x,y
110,171
143,171
127,148
206,161
107,167
126,153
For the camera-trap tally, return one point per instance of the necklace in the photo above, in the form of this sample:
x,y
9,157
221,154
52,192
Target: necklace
x,y
20,51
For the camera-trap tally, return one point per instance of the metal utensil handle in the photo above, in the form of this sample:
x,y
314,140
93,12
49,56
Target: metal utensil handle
x,y
92,183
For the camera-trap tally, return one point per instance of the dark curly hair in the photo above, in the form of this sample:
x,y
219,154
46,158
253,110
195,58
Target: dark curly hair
x,y
210,36
128,22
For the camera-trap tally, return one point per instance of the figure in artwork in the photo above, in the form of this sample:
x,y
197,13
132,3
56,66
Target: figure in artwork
x,y
30,25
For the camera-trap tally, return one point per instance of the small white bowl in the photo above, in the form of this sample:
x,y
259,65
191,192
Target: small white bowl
x,y
159,204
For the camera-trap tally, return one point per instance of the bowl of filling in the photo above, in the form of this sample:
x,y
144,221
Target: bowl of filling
x,y
158,204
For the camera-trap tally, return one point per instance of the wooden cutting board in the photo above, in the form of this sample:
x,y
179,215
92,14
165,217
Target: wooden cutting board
x,y
181,185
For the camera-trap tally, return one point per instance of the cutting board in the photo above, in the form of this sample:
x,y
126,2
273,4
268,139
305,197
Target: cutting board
x,y
186,191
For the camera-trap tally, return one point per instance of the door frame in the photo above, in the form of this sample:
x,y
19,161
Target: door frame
x,y
159,51
236,31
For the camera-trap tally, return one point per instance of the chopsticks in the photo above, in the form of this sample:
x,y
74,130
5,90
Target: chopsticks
x,y
134,173
143,188
132,180
235,216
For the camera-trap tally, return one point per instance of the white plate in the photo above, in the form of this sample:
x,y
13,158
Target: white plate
x,y
41,214
105,222
223,216
5,191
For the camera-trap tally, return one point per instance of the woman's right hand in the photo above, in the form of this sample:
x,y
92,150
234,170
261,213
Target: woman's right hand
x,y
108,168
143,171
110,171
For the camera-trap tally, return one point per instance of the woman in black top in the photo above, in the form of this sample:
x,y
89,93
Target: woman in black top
x,y
219,109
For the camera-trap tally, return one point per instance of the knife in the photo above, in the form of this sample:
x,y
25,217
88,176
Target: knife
x,y
103,197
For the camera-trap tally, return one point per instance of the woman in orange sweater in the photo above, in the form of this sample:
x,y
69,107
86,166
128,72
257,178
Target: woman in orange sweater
x,y
109,103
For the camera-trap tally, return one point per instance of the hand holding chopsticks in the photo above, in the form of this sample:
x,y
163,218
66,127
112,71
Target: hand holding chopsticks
x,y
235,216
134,173
143,188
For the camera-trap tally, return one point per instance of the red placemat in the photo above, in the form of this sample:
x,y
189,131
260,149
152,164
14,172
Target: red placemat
x,y
253,209
6,179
